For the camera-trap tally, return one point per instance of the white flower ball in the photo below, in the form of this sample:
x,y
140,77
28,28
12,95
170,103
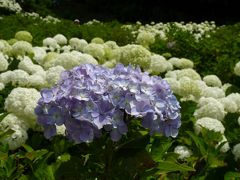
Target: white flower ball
x,y
236,151
229,105
16,139
22,102
96,50
24,36
53,75
20,77
213,92
51,43
145,38
237,69
181,63
174,84
212,80
189,87
3,63
22,48
61,39
78,44
209,123
159,64
6,77
39,54
134,55
97,40
210,107
183,152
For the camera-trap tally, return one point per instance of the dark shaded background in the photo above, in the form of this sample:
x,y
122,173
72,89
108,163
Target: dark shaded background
x,y
220,11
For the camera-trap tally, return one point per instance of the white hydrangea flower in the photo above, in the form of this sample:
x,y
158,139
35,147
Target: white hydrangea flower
x,y
66,60
212,80
84,58
22,102
226,86
235,97
97,40
213,92
49,60
22,48
61,39
2,86
135,55
5,48
229,105
159,64
209,123
39,54
183,152
174,84
110,64
111,44
16,139
19,127
24,36
178,74
6,77
236,151
19,77
3,63
53,75
226,146
145,39
189,87
11,5
51,44
27,65
78,44
61,130
96,50
66,48
237,69
210,107
181,63
50,19
37,80
11,120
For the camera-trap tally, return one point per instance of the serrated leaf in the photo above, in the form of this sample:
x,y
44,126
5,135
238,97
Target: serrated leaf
x,y
198,142
169,166
159,148
35,155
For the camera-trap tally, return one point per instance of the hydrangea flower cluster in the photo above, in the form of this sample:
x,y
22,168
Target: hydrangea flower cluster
x,y
90,98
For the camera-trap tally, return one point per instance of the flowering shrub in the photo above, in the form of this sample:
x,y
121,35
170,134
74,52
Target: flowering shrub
x,y
90,98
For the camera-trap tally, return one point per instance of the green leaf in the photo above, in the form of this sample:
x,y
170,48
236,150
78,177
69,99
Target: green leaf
x,y
232,175
3,156
214,162
169,166
199,143
35,155
160,147
27,148
136,143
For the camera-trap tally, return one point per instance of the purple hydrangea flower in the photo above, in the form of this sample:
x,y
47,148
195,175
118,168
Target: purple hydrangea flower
x,y
90,99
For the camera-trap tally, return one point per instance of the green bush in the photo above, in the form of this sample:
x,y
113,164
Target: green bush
x,y
40,30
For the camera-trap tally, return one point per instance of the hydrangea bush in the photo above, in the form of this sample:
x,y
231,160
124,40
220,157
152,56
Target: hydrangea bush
x,y
122,122
88,99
